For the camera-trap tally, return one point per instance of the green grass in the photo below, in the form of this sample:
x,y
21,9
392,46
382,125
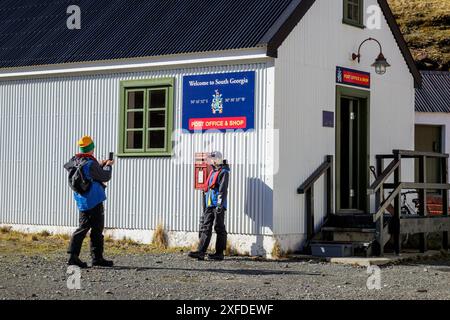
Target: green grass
x,y
425,25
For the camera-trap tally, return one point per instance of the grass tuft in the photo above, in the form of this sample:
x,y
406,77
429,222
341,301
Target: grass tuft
x,y
194,246
44,234
108,239
160,238
230,250
126,242
62,237
5,229
277,253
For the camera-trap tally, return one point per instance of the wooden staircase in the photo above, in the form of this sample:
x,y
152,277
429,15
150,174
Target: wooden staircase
x,y
356,234
345,235
360,234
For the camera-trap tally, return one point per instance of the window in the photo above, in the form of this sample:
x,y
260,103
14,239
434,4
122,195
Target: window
x,y
354,13
146,111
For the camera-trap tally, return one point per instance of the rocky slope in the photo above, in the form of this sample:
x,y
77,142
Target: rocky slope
x,y
426,27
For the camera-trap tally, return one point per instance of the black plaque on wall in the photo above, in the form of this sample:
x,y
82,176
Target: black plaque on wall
x,y
328,119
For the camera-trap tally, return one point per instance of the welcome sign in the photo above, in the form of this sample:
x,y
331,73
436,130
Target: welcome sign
x,y
223,101
353,77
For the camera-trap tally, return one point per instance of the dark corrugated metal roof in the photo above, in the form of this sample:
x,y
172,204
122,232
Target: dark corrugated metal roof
x,y
434,96
35,33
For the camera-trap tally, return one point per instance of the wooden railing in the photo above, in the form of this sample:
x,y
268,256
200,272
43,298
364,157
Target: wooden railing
x,y
307,188
421,224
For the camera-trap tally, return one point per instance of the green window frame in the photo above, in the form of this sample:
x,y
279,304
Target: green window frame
x,y
146,118
354,13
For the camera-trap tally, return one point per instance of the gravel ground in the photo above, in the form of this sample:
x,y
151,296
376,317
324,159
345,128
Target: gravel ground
x,y
175,276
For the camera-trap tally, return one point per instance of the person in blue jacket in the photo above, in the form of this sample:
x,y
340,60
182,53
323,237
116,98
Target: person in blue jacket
x,y
90,204
216,207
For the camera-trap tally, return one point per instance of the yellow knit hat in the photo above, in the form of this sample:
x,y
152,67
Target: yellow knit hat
x,y
86,144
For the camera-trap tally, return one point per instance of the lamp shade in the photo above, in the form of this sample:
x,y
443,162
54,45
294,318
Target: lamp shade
x,y
381,64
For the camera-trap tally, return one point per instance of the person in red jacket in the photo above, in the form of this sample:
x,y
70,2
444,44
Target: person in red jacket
x,y
216,207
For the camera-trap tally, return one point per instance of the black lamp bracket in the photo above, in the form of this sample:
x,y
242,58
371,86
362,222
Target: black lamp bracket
x,y
358,56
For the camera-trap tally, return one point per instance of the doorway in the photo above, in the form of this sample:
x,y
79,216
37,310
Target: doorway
x,y
352,150
428,138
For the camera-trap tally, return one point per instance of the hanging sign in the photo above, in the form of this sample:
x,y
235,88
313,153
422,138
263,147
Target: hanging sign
x,y
223,101
353,77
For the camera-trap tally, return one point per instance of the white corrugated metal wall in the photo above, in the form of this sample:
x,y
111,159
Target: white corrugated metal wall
x,y
306,86
41,120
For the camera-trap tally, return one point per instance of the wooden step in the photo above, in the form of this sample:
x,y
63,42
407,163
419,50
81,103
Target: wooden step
x,y
349,234
362,221
357,230
356,243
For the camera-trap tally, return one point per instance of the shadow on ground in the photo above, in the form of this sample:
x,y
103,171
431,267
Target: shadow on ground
x,y
247,272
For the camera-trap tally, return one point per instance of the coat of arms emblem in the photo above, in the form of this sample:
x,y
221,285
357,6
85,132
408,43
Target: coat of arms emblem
x,y
217,103
339,75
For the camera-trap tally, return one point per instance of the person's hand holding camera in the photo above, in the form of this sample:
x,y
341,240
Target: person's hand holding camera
x,y
109,163
105,163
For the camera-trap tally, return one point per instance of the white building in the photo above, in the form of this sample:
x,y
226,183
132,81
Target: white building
x,y
432,125
433,112
294,58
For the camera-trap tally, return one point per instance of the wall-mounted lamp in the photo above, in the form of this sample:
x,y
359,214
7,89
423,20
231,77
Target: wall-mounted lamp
x,y
380,63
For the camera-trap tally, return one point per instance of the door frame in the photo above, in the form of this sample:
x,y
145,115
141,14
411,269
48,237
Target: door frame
x,y
442,146
364,96
442,127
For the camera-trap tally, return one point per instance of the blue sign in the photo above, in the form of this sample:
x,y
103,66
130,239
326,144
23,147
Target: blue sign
x,y
223,101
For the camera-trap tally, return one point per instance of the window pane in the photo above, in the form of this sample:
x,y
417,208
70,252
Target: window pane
x,y
136,100
350,11
135,140
135,120
157,99
157,119
356,13
353,11
156,139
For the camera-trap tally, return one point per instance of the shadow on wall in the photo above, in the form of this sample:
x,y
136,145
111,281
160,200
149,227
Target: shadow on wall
x,y
259,207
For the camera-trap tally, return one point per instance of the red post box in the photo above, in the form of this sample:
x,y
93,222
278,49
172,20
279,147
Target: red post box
x,y
202,170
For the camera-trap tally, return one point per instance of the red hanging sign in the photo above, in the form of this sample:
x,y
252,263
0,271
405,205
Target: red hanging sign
x,y
353,77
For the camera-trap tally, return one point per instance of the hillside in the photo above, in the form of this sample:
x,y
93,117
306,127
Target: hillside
x,y
426,27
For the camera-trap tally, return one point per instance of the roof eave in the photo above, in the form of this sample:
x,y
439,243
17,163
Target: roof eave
x,y
284,25
293,14
247,55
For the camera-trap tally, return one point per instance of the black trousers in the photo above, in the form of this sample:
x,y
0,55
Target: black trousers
x,y
213,217
93,220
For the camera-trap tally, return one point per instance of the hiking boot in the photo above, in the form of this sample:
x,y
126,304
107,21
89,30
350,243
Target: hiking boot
x,y
75,261
196,255
101,262
216,256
